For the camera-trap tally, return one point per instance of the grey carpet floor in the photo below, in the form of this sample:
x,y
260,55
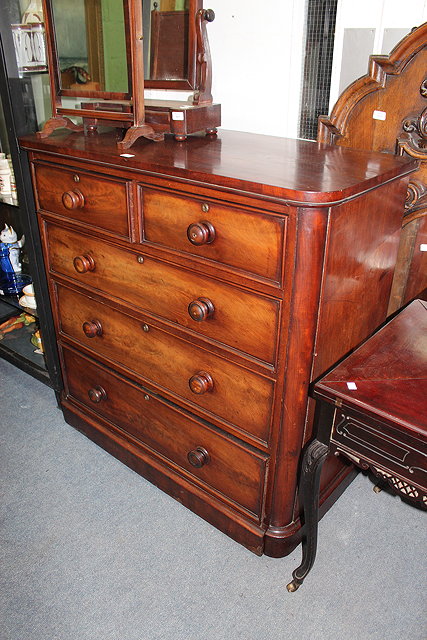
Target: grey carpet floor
x,y
92,551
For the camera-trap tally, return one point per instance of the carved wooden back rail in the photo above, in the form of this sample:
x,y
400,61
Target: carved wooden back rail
x,y
386,110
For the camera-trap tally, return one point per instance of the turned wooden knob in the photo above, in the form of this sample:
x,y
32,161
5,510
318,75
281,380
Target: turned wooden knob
x,y
96,394
201,309
73,199
92,329
83,264
200,233
198,457
201,382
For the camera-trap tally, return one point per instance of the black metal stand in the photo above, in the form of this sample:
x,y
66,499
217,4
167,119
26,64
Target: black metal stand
x,y
312,463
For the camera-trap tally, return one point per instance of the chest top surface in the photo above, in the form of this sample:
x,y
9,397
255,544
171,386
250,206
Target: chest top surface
x,y
388,373
299,171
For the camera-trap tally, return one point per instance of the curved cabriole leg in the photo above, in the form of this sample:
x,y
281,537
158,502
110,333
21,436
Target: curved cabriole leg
x,y
312,463
133,133
58,123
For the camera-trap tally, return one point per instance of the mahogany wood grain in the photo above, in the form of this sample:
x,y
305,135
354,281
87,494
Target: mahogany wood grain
x,y
309,250
367,258
169,45
194,118
253,357
228,518
384,368
385,111
294,170
102,203
238,396
416,273
240,319
380,391
233,470
187,82
223,234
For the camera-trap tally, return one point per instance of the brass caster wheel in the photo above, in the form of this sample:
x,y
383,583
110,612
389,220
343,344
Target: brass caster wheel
x,y
293,586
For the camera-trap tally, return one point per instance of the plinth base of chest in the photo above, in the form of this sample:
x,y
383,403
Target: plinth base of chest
x,y
273,542
240,529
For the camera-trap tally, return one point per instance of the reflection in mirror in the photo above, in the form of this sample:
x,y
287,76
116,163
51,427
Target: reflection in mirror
x,y
166,32
90,38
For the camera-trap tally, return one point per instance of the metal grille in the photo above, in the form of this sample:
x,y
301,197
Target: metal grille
x,y
319,49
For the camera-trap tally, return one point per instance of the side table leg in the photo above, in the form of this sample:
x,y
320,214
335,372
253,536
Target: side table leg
x,y
312,463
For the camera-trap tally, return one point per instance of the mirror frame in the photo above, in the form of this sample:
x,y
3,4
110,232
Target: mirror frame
x,y
135,62
188,83
134,115
53,58
127,110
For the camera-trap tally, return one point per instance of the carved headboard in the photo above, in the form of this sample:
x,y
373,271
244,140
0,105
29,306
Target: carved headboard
x,y
386,110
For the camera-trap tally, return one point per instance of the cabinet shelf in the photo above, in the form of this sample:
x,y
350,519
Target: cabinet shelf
x,y
12,303
12,202
16,346
22,106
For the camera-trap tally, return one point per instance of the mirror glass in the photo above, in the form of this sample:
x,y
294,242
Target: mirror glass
x,y
166,39
91,45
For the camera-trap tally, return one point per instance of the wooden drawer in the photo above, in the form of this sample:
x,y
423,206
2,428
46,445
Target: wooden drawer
x,y
235,394
241,239
226,464
241,319
95,200
393,449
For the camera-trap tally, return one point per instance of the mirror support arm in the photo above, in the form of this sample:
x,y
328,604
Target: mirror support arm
x,y
140,128
202,94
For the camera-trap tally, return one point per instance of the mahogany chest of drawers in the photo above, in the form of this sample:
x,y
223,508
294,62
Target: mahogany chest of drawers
x,y
198,288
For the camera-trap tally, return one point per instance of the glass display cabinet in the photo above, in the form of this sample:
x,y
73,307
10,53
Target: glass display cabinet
x,y
26,334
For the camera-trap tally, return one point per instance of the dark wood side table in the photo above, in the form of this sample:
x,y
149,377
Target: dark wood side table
x,y
379,421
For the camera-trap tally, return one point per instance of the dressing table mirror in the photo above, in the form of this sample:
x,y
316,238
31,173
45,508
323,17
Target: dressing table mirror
x,y
102,53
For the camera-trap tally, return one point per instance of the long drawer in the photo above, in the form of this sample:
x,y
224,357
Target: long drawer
x,y
241,319
98,201
210,230
220,462
213,384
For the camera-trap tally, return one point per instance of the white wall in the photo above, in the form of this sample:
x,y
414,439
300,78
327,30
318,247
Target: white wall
x,y
257,52
387,22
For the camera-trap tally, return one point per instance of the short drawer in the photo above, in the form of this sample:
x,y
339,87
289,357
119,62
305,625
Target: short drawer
x,y
394,449
235,237
210,383
214,459
95,200
241,319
